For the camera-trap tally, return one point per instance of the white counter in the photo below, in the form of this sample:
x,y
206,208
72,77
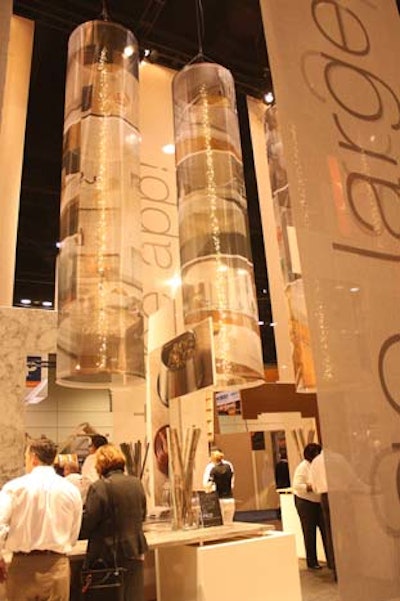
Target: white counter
x,y
161,535
291,524
236,562
254,568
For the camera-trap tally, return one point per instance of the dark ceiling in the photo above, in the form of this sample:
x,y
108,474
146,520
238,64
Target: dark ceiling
x,y
232,33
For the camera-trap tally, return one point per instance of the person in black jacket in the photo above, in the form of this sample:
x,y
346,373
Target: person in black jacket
x,y
114,512
221,474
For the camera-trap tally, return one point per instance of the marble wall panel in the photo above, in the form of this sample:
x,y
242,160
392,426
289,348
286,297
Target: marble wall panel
x,y
22,332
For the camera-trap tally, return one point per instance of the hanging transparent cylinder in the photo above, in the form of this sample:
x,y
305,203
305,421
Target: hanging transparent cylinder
x,y
303,363
100,332
216,264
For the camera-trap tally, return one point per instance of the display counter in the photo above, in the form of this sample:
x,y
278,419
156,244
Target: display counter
x,y
162,535
236,561
291,524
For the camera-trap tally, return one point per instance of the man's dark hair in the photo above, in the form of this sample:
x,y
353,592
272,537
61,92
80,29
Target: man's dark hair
x,y
312,450
44,449
98,440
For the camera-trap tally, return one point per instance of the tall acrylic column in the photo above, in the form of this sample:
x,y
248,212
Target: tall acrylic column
x,y
100,335
303,362
216,263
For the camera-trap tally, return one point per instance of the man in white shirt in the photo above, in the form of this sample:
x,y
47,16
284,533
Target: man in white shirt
x,y
320,486
89,472
318,474
40,519
308,505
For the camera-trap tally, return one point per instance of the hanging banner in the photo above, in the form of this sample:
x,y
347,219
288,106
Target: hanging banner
x,y
5,20
160,254
337,87
16,46
157,186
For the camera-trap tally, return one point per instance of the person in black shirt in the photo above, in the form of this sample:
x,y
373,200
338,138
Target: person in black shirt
x,y
221,475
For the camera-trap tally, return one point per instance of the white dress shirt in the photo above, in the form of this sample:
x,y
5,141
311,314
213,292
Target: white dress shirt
x,y
88,470
318,474
39,511
81,483
302,478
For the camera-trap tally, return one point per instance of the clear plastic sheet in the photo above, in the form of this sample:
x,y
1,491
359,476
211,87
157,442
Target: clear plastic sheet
x,y
303,363
100,336
216,263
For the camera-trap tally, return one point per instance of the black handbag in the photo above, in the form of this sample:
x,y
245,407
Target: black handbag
x,y
102,582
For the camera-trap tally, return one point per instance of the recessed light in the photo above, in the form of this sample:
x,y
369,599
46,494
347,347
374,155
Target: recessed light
x,y
269,97
168,148
129,51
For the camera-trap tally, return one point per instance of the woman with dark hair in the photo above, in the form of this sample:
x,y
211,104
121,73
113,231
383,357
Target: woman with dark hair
x,y
114,514
308,505
89,472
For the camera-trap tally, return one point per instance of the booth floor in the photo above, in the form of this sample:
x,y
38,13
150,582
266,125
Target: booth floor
x,y
317,585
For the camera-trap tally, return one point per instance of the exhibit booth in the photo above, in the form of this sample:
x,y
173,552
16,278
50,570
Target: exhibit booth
x,y
156,309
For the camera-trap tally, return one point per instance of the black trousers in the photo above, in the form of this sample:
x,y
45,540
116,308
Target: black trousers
x,y
310,515
134,580
326,515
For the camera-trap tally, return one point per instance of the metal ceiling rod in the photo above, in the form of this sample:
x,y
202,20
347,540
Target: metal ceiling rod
x,y
200,56
105,15
149,16
200,27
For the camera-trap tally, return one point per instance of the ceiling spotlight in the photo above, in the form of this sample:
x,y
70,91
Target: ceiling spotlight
x,y
47,304
25,301
128,51
168,148
174,283
269,97
145,56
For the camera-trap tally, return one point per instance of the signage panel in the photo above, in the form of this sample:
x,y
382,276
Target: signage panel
x,y
334,66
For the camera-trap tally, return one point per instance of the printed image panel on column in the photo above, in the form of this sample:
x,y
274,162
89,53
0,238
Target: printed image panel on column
x,y
100,333
303,362
216,263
